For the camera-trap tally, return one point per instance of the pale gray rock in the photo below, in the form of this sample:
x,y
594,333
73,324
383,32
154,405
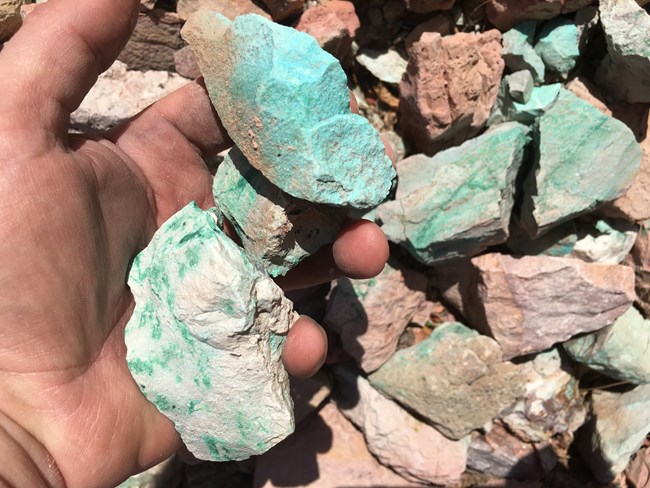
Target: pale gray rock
x,y
410,447
205,340
518,52
387,66
120,94
520,85
616,429
607,245
455,379
370,315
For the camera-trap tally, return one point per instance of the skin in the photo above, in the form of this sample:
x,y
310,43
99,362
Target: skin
x,y
74,211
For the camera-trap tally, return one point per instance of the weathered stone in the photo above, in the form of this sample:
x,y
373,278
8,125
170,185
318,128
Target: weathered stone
x,y
518,52
387,66
205,319
528,304
558,241
520,86
564,184
156,38
370,315
426,6
258,73
552,405
333,25
499,453
276,230
463,199
557,45
396,438
507,13
608,244
637,473
439,24
227,8
10,19
455,379
618,350
119,94
625,71
641,260
507,109
185,63
284,9
325,451
617,428
585,89
450,86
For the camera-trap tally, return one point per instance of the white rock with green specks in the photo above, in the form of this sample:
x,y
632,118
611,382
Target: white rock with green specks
x,y
205,340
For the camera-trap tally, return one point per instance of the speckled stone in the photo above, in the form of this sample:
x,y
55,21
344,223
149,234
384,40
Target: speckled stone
x,y
205,340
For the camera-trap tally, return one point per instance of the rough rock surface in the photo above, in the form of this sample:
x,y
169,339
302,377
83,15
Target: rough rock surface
x,y
185,63
637,473
625,71
450,86
507,13
499,453
619,350
563,184
276,230
333,24
552,406
325,451
426,6
258,73
455,379
156,38
412,448
617,428
205,340
439,24
641,261
557,45
606,243
370,315
518,52
507,109
520,86
227,8
460,201
120,94
530,303
283,9
10,19
387,66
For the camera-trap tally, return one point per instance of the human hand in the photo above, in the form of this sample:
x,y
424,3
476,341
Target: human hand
x,y
74,211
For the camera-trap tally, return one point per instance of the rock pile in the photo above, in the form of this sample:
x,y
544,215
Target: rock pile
x,y
507,339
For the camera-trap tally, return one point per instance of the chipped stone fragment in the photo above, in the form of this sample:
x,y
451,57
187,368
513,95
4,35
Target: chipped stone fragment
x,y
455,379
608,244
387,66
518,52
185,63
557,45
395,437
616,429
450,86
205,340
258,73
625,71
563,184
463,200
506,13
227,8
618,350
507,109
10,19
370,315
520,86
277,230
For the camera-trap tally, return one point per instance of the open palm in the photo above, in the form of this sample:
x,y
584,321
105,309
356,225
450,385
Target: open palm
x,y
74,211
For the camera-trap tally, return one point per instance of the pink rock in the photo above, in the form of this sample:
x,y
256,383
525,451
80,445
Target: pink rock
x,y
638,471
439,24
426,6
396,438
528,304
333,24
325,451
505,14
186,64
641,260
227,8
370,315
284,9
450,86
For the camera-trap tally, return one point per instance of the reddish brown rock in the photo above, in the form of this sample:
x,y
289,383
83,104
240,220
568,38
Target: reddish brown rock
x,y
641,259
325,451
186,64
449,88
505,14
156,38
227,8
638,471
10,18
333,24
440,24
284,9
426,6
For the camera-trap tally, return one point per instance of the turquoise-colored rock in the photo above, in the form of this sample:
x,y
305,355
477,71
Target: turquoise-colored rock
x,y
518,52
507,109
205,340
455,379
286,105
584,158
276,230
465,199
558,45
619,350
